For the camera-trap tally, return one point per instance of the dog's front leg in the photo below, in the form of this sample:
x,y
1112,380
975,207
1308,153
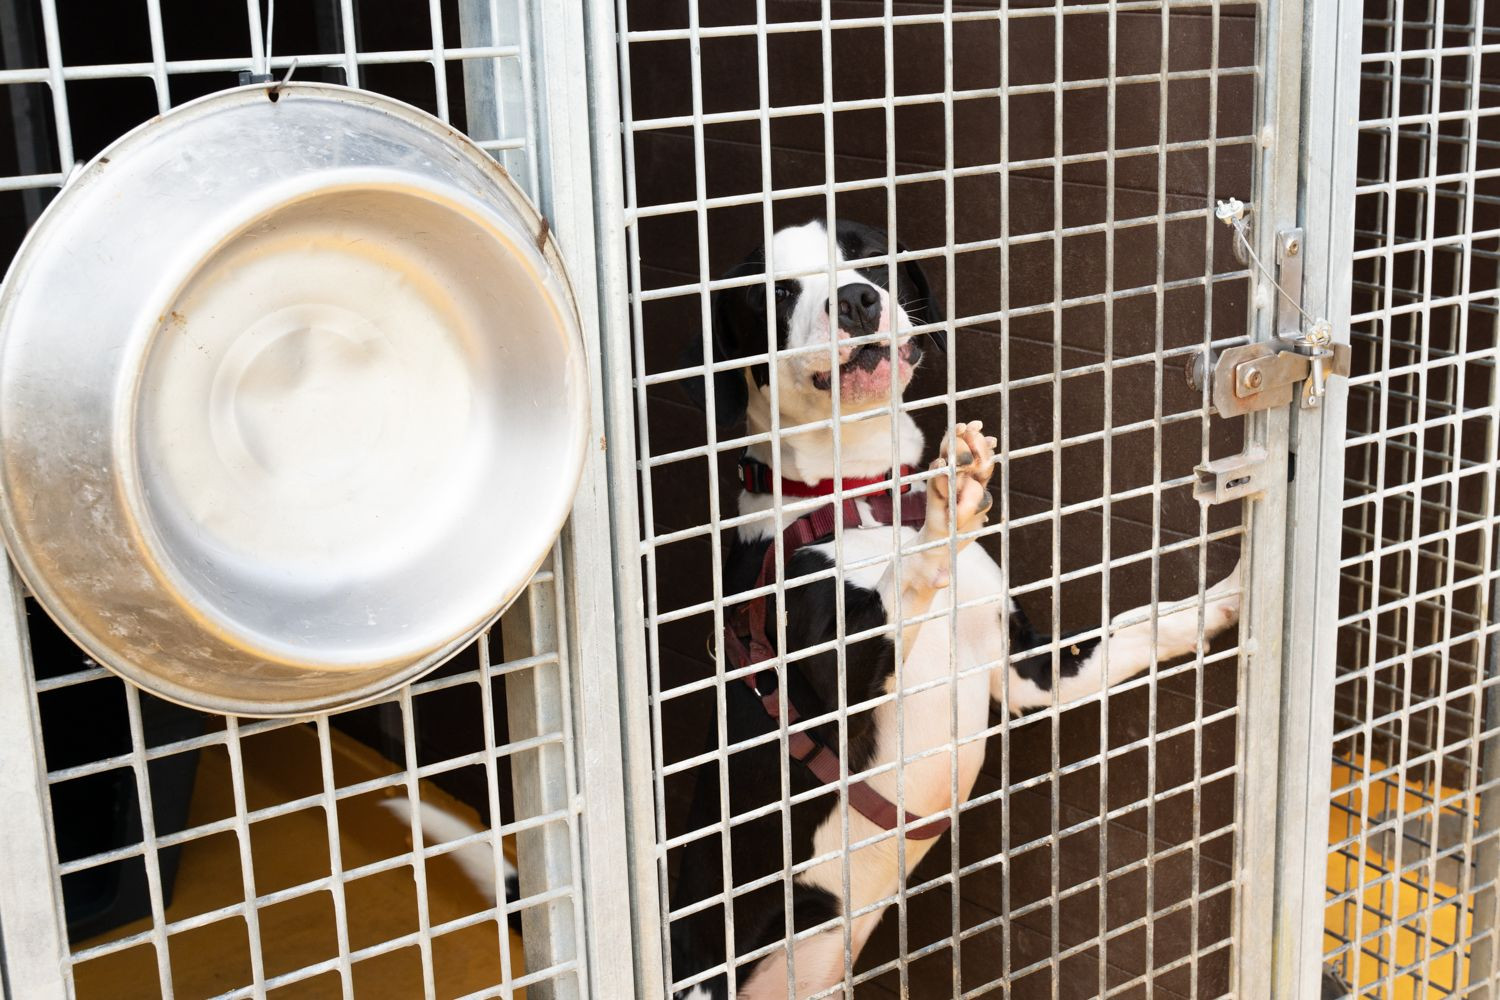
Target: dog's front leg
x,y
971,457
1087,666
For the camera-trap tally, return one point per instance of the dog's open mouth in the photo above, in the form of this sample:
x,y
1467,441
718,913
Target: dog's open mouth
x,y
867,358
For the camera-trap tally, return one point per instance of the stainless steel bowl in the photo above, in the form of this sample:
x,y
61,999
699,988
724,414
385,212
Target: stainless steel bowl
x,y
292,400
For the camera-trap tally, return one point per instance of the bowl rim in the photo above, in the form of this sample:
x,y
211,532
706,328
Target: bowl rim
x,y
31,256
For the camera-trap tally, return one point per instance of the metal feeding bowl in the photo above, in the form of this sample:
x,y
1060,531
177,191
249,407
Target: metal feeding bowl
x,y
292,400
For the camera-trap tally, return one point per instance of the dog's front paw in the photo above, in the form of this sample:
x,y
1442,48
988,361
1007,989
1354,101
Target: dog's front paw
x,y
969,458
1176,624
1223,609
965,463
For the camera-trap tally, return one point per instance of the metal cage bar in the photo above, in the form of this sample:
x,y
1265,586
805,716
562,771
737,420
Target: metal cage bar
x,y
515,75
697,127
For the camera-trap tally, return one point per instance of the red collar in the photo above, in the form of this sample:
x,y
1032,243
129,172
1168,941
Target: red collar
x,y
756,478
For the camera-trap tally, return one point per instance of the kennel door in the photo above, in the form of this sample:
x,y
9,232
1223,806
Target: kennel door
x,y
153,851
1055,170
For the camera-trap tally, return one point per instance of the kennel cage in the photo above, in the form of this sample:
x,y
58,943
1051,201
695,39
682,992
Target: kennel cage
x,y
1049,167
1411,846
186,854
1309,792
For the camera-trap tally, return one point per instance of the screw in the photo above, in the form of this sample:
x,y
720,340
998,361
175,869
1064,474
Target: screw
x,y
1293,247
1253,378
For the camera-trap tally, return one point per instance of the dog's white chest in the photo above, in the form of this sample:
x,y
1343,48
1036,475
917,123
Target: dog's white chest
x,y
944,698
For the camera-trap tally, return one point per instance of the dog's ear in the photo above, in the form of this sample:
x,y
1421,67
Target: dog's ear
x,y
727,313
921,306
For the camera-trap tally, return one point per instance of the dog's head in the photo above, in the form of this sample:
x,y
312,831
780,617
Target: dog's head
x,y
804,314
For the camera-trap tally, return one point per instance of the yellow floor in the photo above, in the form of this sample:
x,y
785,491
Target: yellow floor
x,y
292,850
1425,913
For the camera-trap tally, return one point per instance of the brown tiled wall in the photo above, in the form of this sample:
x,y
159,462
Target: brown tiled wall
x,y
665,172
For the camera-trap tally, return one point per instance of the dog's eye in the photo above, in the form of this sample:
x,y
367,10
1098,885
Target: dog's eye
x,y
783,293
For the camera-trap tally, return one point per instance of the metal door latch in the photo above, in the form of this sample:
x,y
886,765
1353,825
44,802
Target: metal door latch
x,y
1264,376
1232,478
1261,377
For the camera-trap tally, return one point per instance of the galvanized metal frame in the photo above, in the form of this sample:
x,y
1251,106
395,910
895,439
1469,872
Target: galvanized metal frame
x,y
524,69
1276,200
1314,525
1275,208
31,929
568,71
606,98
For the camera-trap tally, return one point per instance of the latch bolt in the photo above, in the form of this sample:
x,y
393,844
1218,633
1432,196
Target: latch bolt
x,y
1264,376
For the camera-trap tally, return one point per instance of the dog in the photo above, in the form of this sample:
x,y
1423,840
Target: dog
x,y
866,328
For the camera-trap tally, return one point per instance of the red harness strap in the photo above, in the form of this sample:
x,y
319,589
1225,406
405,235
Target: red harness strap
x,y
749,620
756,477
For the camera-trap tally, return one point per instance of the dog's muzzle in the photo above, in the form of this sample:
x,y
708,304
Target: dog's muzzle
x,y
867,358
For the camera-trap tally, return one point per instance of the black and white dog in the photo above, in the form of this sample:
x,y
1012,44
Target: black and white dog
x,y
986,625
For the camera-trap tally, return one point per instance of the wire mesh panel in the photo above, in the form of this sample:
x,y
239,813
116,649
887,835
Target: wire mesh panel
x,y
1030,188
154,851
1412,835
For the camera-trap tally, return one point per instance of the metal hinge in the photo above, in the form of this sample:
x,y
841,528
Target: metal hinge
x,y
1266,375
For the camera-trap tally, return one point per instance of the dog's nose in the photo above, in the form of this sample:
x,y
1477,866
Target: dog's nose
x,y
859,308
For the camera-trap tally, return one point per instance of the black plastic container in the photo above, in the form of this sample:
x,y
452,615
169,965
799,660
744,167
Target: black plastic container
x,y
101,812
